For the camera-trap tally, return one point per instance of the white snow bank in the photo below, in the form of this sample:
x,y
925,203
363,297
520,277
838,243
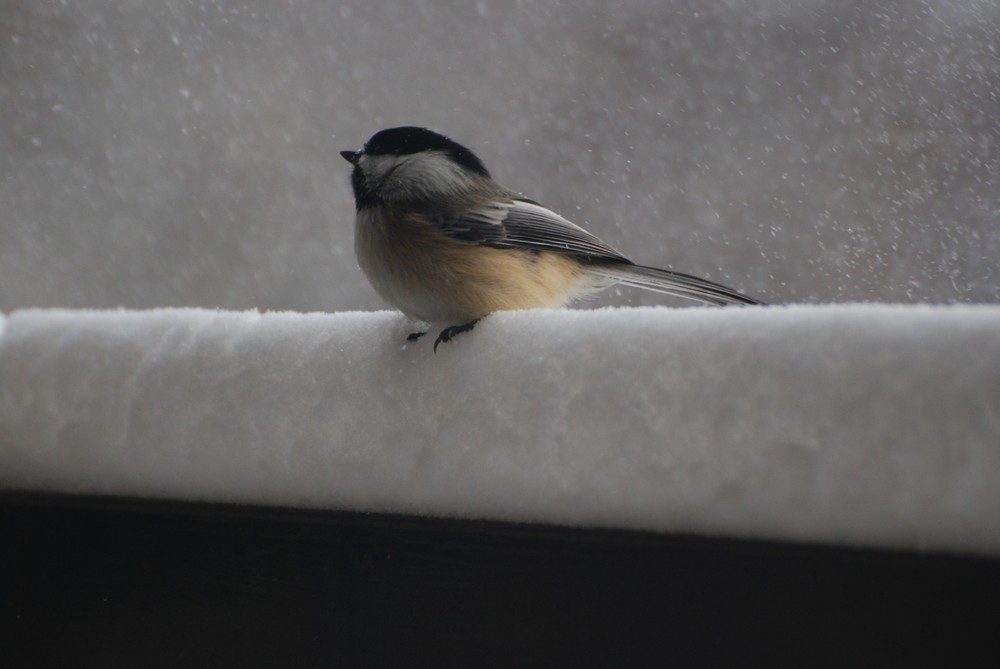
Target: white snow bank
x,y
875,425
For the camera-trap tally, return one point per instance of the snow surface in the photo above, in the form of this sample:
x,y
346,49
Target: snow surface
x,y
867,425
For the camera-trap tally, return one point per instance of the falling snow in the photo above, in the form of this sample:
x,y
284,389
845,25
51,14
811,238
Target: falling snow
x,y
187,153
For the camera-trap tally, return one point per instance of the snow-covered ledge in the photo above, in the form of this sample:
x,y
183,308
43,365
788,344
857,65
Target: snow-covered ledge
x,y
866,425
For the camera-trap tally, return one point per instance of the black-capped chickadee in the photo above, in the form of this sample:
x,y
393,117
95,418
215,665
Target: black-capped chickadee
x,y
441,240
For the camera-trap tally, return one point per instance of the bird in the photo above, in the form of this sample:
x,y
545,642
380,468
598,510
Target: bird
x,y
443,242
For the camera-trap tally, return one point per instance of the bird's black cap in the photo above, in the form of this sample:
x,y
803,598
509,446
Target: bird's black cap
x,y
408,140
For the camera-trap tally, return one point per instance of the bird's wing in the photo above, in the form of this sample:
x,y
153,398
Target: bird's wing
x,y
527,225
523,224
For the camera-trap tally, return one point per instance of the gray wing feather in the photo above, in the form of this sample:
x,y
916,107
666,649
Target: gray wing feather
x,y
527,225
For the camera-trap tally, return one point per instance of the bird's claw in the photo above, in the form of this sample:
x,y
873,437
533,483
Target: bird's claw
x,y
447,334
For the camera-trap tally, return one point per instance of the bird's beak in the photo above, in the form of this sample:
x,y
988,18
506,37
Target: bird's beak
x,y
351,156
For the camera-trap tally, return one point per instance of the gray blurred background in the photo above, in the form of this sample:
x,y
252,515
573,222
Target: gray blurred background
x,y
185,153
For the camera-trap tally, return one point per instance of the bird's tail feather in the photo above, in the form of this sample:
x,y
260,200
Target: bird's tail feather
x,y
672,283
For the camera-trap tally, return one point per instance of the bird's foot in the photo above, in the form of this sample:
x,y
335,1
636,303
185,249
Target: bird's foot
x,y
447,334
414,336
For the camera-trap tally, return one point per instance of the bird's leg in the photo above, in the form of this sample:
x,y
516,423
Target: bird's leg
x,y
448,333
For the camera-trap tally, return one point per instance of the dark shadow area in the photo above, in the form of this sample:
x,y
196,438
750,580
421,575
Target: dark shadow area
x,y
125,582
